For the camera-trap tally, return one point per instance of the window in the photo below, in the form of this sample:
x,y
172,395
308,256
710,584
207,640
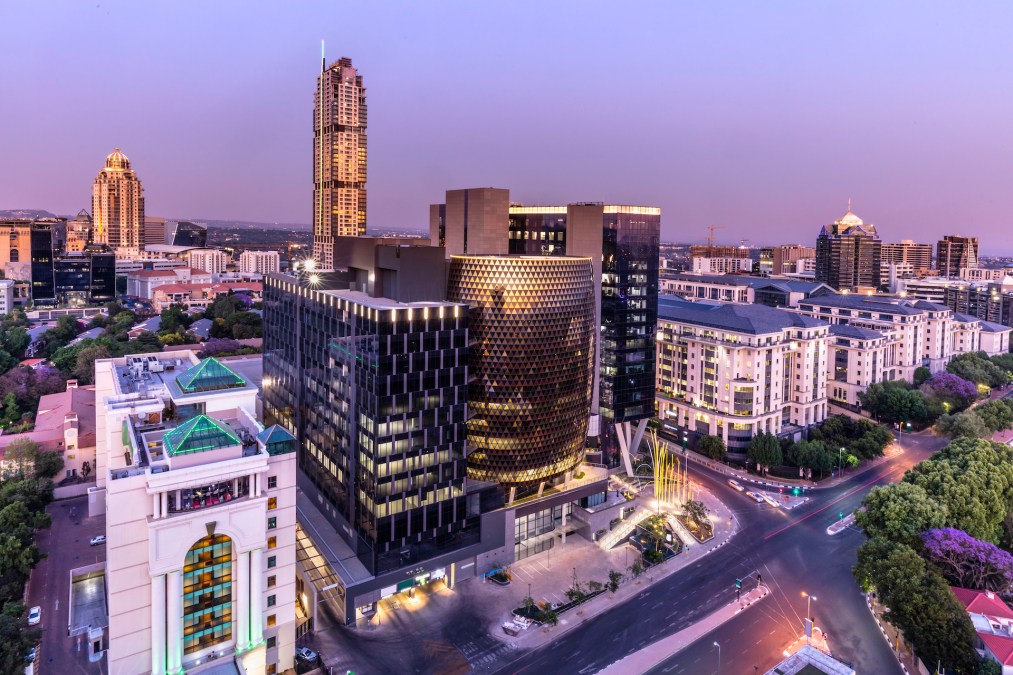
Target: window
x,y
271,600
271,620
272,503
272,668
272,482
272,523
271,581
272,561
272,542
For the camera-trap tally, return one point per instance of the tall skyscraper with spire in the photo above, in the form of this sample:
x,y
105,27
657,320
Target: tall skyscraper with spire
x,y
117,204
339,158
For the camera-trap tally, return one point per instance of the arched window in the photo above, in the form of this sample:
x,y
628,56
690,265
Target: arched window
x,y
207,594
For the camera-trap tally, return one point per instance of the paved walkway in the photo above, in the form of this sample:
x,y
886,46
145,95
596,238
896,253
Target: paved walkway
x,y
655,654
893,637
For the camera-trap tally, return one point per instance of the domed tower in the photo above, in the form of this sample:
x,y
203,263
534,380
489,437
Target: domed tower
x,y
117,204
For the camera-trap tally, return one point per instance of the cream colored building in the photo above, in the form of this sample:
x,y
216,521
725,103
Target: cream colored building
x,y
735,370
259,262
210,260
117,204
200,508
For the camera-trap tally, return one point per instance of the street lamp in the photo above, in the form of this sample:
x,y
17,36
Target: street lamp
x,y
840,460
719,656
808,606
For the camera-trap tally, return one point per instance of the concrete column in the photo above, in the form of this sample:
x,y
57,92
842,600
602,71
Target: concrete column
x,y
158,625
241,600
165,504
563,510
156,506
256,596
174,619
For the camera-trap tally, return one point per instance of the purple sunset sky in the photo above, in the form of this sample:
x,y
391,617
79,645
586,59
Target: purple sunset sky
x,y
762,118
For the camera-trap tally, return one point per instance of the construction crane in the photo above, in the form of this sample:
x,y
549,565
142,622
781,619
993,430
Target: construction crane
x,y
710,238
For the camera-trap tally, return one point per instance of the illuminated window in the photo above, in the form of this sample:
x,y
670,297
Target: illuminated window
x,y
207,594
272,503
271,581
271,620
272,542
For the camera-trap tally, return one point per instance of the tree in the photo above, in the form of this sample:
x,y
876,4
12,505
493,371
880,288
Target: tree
x,y
14,340
636,569
65,330
148,342
968,562
84,365
921,375
713,447
764,451
615,578
20,457
48,464
978,368
174,319
223,308
988,667
15,641
244,325
951,388
696,511
220,347
962,425
900,512
995,415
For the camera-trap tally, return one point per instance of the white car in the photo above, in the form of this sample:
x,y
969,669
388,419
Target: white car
x,y
736,485
770,500
755,497
34,616
97,541
306,654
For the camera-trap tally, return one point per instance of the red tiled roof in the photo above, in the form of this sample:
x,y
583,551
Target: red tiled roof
x,y
152,273
978,602
1000,645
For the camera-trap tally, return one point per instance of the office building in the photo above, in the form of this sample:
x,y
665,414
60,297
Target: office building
x,y
908,253
848,254
989,301
200,507
6,296
622,242
79,232
258,262
734,370
475,221
712,259
375,389
185,233
210,260
154,231
117,204
788,259
955,253
532,325
339,158
982,274
68,279
16,251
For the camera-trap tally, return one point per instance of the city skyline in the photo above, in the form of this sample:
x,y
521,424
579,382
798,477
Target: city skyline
x,y
704,96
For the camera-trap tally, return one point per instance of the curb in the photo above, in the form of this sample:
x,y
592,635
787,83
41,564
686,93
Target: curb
x,y
885,636
841,525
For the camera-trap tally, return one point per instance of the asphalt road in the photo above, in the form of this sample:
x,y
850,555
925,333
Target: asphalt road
x,y
792,552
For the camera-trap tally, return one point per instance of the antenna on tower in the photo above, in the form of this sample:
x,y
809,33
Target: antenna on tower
x,y
323,61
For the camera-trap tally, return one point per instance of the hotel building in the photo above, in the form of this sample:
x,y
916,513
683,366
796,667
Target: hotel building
x,y
258,262
734,371
200,507
117,207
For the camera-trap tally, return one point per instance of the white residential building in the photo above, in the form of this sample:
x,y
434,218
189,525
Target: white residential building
x,y
200,508
6,296
722,265
142,283
210,260
259,262
735,370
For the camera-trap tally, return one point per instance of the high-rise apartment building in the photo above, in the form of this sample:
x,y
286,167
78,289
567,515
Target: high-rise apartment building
x,y
259,262
919,256
533,332
848,254
117,204
738,370
955,253
339,158
200,509
210,260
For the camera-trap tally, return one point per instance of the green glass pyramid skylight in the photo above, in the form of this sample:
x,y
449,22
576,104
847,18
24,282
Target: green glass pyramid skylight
x,y
208,375
277,440
199,434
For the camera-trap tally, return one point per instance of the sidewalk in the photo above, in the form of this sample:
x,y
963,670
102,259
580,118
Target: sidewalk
x,y
893,637
657,653
545,585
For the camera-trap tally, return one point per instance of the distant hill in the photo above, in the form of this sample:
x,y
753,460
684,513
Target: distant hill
x,y
26,213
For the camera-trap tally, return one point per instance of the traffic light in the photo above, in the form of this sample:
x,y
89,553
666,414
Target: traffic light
x,y
738,583
795,491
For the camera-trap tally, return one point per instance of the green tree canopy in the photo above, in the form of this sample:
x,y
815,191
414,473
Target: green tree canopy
x,y
900,512
713,447
764,451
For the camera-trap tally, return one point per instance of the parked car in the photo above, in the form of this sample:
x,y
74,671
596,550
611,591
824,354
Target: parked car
x,y
32,653
34,616
755,496
97,541
305,654
736,485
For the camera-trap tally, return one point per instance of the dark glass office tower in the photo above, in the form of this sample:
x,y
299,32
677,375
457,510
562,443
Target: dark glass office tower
x,y
186,233
375,391
43,284
848,254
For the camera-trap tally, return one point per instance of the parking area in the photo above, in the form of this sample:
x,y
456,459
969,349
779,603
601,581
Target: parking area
x,y
66,547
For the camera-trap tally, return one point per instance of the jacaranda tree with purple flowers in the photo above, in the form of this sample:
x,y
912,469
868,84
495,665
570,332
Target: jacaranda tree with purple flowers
x,y
968,562
945,386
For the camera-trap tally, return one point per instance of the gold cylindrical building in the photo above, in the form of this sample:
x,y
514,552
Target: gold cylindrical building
x,y
530,365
